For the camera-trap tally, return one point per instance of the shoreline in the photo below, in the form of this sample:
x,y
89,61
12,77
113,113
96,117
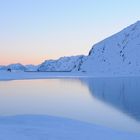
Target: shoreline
x,y
7,76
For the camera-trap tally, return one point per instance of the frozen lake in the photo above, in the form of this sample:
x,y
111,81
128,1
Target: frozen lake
x,y
112,102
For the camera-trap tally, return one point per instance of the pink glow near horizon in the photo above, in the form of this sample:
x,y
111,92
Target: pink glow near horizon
x,y
33,31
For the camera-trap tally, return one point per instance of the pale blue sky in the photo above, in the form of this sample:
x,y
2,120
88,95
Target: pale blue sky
x,y
34,30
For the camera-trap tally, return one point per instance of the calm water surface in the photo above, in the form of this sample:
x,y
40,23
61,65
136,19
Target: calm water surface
x,y
106,101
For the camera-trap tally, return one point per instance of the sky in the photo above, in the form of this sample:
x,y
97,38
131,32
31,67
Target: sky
x,y
32,31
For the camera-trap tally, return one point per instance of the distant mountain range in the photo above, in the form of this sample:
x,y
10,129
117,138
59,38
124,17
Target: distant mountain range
x,y
63,64
19,67
118,54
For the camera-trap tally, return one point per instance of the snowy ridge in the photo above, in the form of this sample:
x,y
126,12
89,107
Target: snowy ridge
x,y
2,68
118,54
63,64
14,67
19,67
32,68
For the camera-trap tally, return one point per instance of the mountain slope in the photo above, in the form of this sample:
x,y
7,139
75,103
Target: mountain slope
x,y
15,67
118,54
32,68
2,68
63,64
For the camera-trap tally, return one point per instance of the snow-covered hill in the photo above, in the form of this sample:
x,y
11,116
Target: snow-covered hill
x,y
32,68
15,67
118,54
2,68
63,64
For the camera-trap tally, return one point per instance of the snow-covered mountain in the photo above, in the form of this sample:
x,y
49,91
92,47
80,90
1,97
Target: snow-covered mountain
x,y
32,68
15,67
118,54
19,67
63,64
2,68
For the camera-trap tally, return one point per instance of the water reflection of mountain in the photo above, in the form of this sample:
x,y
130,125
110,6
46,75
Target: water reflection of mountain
x,y
122,93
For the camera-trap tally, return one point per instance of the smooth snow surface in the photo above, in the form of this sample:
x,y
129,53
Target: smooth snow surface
x,y
53,128
20,75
